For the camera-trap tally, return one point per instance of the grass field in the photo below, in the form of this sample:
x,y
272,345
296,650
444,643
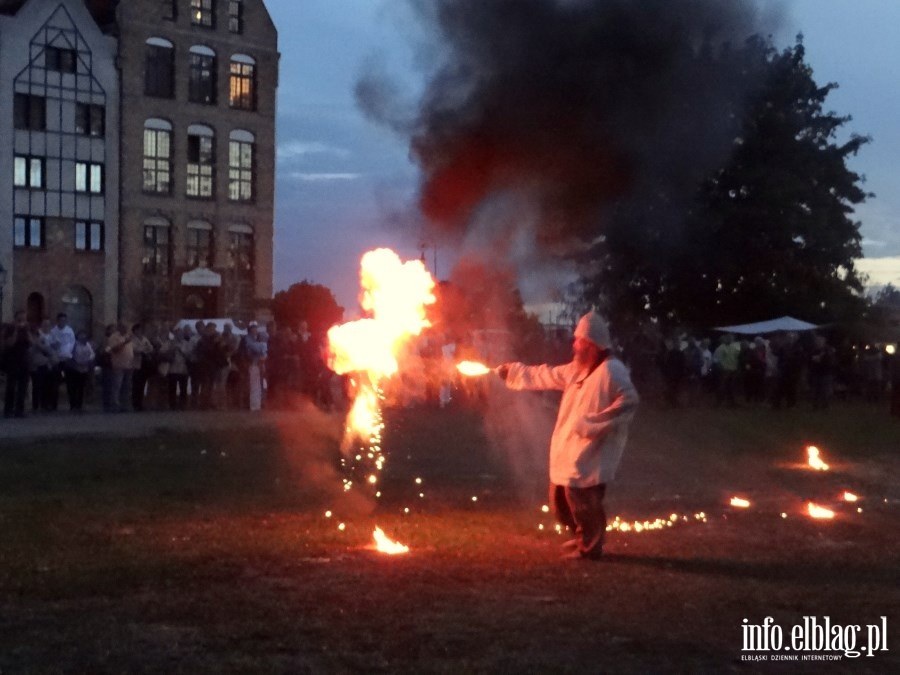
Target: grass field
x,y
211,552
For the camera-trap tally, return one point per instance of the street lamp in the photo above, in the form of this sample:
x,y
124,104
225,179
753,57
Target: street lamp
x,y
2,284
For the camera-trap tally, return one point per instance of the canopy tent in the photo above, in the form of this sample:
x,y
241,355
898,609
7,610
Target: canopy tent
x,y
784,323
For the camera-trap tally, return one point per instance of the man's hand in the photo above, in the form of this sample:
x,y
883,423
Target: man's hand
x,y
502,371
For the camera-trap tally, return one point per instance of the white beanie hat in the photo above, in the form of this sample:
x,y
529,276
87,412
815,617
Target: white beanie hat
x,y
592,327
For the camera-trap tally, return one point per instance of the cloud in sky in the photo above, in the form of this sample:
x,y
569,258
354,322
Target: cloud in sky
x,y
881,271
297,148
314,177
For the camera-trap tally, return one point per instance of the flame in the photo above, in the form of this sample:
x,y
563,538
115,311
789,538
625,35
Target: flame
x,y
394,294
816,511
850,497
740,502
813,459
472,368
385,545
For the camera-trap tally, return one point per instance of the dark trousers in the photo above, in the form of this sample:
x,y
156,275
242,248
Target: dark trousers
x,y
16,387
581,510
75,383
39,393
177,387
138,387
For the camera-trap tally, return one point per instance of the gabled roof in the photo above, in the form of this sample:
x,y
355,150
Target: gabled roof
x,y
103,11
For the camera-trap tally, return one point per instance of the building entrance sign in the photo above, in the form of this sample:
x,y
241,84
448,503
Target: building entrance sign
x,y
201,276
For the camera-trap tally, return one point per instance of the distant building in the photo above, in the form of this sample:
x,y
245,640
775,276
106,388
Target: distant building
x,y
141,167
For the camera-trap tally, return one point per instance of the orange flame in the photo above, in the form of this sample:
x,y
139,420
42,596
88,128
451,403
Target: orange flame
x,y
740,502
394,294
849,497
812,453
385,545
472,368
816,511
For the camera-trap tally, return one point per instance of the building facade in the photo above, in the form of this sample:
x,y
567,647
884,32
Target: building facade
x,y
59,110
187,181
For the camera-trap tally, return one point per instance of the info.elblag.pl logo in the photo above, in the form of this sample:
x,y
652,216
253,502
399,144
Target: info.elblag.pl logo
x,y
813,639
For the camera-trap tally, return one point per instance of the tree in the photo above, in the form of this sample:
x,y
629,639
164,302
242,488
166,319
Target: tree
x,y
308,302
887,296
768,233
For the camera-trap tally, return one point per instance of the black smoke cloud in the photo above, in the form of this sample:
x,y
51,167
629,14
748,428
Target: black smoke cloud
x,y
559,109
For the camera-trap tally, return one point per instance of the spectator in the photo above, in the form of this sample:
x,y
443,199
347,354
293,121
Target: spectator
x,y
121,355
16,344
821,373
63,338
228,344
872,373
83,356
104,360
41,356
789,360
726,361
256,349
143,366
177,377
673,367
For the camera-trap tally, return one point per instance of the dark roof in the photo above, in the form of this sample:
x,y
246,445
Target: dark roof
x,y
103,11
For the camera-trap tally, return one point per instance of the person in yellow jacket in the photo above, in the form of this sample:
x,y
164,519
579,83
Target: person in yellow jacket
x,y
598,404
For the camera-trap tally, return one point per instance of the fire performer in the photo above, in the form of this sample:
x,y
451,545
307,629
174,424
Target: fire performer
x,y
597,406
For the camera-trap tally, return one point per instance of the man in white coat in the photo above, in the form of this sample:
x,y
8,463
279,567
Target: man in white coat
x,y
598,404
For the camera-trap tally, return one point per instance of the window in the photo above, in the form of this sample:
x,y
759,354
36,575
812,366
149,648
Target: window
x,y
89,119
235,16
28,171
202,13
169,9
89,177
88,235
60,60
157,251
240,251
240,166
159,68
28,232
202,81
30,112
199,244
201,161
242,83
157,156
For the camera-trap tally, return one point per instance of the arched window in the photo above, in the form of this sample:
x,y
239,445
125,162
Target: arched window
x,y
241,158
242,82
159,68
157,156
157,256
201,160
202,75
199,244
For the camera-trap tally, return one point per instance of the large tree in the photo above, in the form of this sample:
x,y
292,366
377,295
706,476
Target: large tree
x,y
769,233
308,302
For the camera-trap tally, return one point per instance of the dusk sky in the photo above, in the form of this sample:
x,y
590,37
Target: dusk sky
x,y
344,183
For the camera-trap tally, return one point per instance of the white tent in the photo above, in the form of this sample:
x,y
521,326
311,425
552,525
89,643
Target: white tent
x,y
784,323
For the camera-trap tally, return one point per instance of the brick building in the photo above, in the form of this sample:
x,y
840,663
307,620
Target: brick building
x,y
142,170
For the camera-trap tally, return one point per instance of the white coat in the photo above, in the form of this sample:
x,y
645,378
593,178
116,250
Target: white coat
x,y
593,420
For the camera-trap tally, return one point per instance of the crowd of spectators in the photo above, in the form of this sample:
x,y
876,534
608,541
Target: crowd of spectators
x,y
777,371
139,367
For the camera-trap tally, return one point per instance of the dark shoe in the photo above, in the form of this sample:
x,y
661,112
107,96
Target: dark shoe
x,y
597,554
